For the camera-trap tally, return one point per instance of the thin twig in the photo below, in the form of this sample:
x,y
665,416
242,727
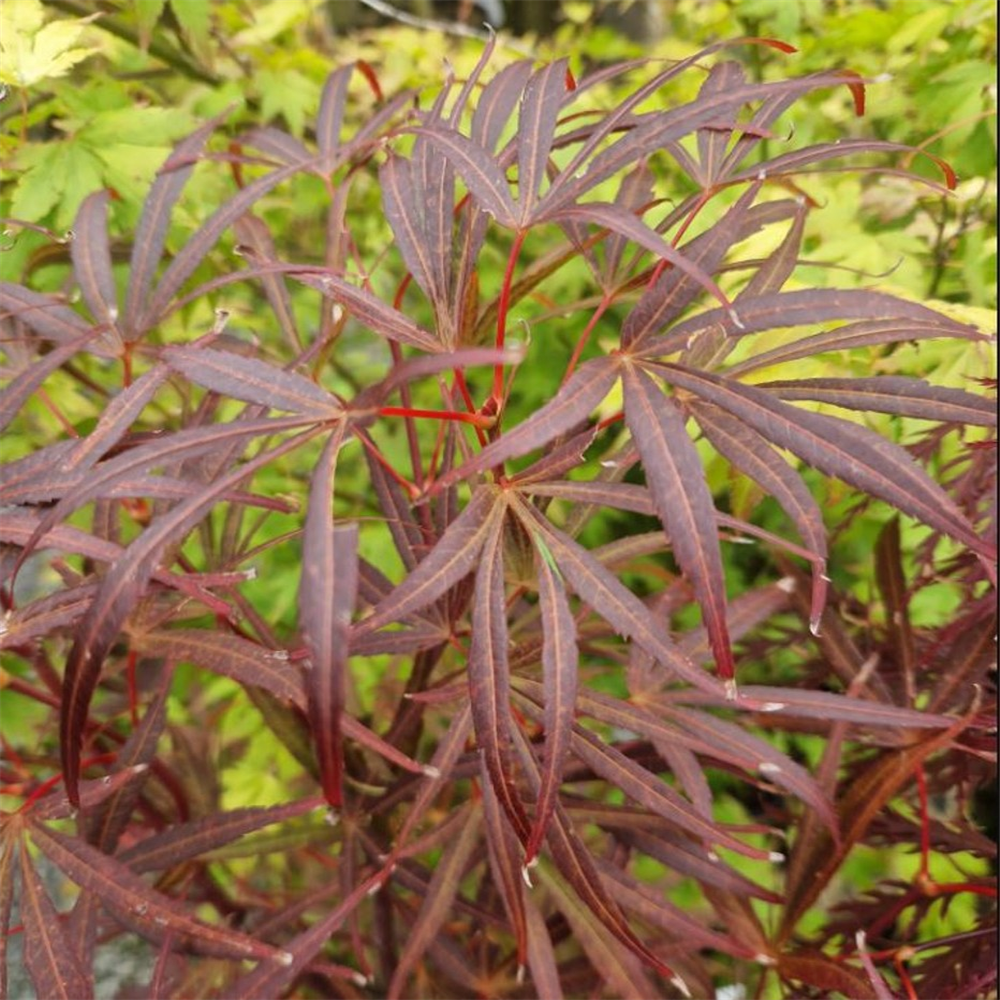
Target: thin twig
x,y
446,27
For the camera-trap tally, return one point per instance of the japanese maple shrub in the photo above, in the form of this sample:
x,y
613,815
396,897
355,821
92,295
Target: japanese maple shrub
x,y
507,732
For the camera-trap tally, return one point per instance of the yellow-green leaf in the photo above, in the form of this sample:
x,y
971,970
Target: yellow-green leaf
x,y
32,51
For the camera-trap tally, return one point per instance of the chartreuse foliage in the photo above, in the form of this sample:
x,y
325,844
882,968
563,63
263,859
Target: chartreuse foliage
x,y
505,808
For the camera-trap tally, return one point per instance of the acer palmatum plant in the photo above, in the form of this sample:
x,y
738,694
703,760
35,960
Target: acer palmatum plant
x,y
505,755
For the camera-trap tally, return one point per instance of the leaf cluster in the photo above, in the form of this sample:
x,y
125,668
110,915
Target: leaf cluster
x,y
504,809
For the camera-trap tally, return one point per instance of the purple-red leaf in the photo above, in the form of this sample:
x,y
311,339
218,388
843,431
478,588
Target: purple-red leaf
x,y
254,233
121,588
489,683
455,555
227,655
574,402
56,969
540,103
619,221
21,388
141,907
615,602
91,253
269,981
116,419
479,170
330,118
151,233
560,671
800,308
185,841
48,317
619,968
252,380
677,483
497,102
909,397
200,243
839,448
864,334
677,288
327,593
750,452
440,896
654,794
576,866
823,705
506,858
369,310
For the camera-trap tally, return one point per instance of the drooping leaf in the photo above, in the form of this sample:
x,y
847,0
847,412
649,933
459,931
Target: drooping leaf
x,y
908,397
140,906
506,857
560,670
455,555
185,841
226,655
489,683
618,605
327,594
846,450
750,452
55,966
677,483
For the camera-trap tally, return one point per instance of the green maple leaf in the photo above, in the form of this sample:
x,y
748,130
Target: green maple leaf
x,y
32,51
